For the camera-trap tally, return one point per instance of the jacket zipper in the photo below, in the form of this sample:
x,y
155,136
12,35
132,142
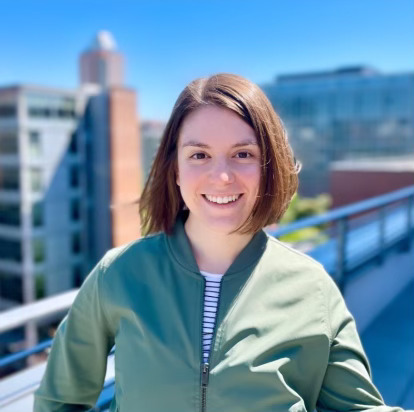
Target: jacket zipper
x,y
205,366
204,383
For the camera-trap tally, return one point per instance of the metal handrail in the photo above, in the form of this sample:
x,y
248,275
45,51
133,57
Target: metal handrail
x,y
347,211
20,316
40,347
13,318
342,217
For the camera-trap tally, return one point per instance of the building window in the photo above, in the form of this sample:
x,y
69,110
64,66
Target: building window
x,y
11,286
45,106
76,243
36,179
9,178
8,143
74,176
75,209
37,214
77,276
10,214
38,112
10,250
34,144
65,113
40,286
73,145
38,250
8,111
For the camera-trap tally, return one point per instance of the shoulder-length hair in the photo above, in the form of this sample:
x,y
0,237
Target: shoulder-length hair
x,y
161,200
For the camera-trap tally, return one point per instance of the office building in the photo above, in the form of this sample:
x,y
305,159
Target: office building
x,y
101,63
39,178
346,113
69,169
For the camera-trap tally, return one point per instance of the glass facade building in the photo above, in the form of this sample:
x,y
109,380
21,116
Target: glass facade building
x,y
343,114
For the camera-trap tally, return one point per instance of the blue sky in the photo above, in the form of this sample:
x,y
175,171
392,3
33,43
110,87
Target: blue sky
x,y
168,43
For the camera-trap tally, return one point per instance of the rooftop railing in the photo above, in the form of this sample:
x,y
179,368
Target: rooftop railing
x,y
355,235
360,232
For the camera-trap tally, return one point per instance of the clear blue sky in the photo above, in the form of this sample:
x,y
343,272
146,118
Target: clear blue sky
x,y
168,43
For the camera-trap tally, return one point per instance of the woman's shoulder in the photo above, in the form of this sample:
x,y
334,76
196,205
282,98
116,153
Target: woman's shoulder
x,y
312,282
283,253
134,251
128,266
297,266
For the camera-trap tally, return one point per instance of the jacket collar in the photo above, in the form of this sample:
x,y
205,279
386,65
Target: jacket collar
x,y
180,248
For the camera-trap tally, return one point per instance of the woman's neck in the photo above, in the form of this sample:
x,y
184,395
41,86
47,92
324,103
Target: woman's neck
x,y
214,251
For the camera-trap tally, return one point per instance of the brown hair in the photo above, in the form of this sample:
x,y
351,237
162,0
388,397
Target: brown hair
x,y
161,200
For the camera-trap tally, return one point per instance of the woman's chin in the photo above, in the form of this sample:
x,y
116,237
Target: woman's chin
x,y
222,226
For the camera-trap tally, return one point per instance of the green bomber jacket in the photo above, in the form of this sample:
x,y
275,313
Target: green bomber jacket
x,y
284,339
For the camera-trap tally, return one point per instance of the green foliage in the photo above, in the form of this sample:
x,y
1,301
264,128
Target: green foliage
x,y
38,250
301,208
40,286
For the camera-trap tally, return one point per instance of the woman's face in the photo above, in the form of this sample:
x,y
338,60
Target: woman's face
x,y
218,168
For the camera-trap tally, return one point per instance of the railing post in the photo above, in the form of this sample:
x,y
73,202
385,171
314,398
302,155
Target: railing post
x,y
341,252
381,240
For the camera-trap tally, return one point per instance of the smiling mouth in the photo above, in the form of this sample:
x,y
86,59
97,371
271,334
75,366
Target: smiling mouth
x,y
222,200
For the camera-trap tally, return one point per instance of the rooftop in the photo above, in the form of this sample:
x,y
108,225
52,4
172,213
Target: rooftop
x,y
104,40
359,70
389,164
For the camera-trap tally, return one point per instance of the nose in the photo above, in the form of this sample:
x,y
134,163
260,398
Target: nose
x,y
225,177
222,172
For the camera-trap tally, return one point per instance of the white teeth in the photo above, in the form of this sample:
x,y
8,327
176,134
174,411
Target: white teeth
x,y
220,200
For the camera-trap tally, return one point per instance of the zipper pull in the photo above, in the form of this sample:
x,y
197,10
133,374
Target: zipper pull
x,y
204,375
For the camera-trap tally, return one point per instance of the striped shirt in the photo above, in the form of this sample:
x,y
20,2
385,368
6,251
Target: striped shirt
x,y
211,299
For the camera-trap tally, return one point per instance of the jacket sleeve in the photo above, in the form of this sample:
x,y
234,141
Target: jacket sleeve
x,y
76,366
347,384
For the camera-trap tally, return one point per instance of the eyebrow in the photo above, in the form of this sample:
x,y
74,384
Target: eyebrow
x,y
195,143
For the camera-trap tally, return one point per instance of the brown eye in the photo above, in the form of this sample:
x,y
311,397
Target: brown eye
x,y
198,156
244,155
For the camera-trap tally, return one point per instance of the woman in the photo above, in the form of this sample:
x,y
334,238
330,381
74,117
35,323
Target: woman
x,y
207,312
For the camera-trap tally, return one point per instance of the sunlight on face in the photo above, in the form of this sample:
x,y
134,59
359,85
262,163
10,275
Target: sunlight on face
x,y
218,168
